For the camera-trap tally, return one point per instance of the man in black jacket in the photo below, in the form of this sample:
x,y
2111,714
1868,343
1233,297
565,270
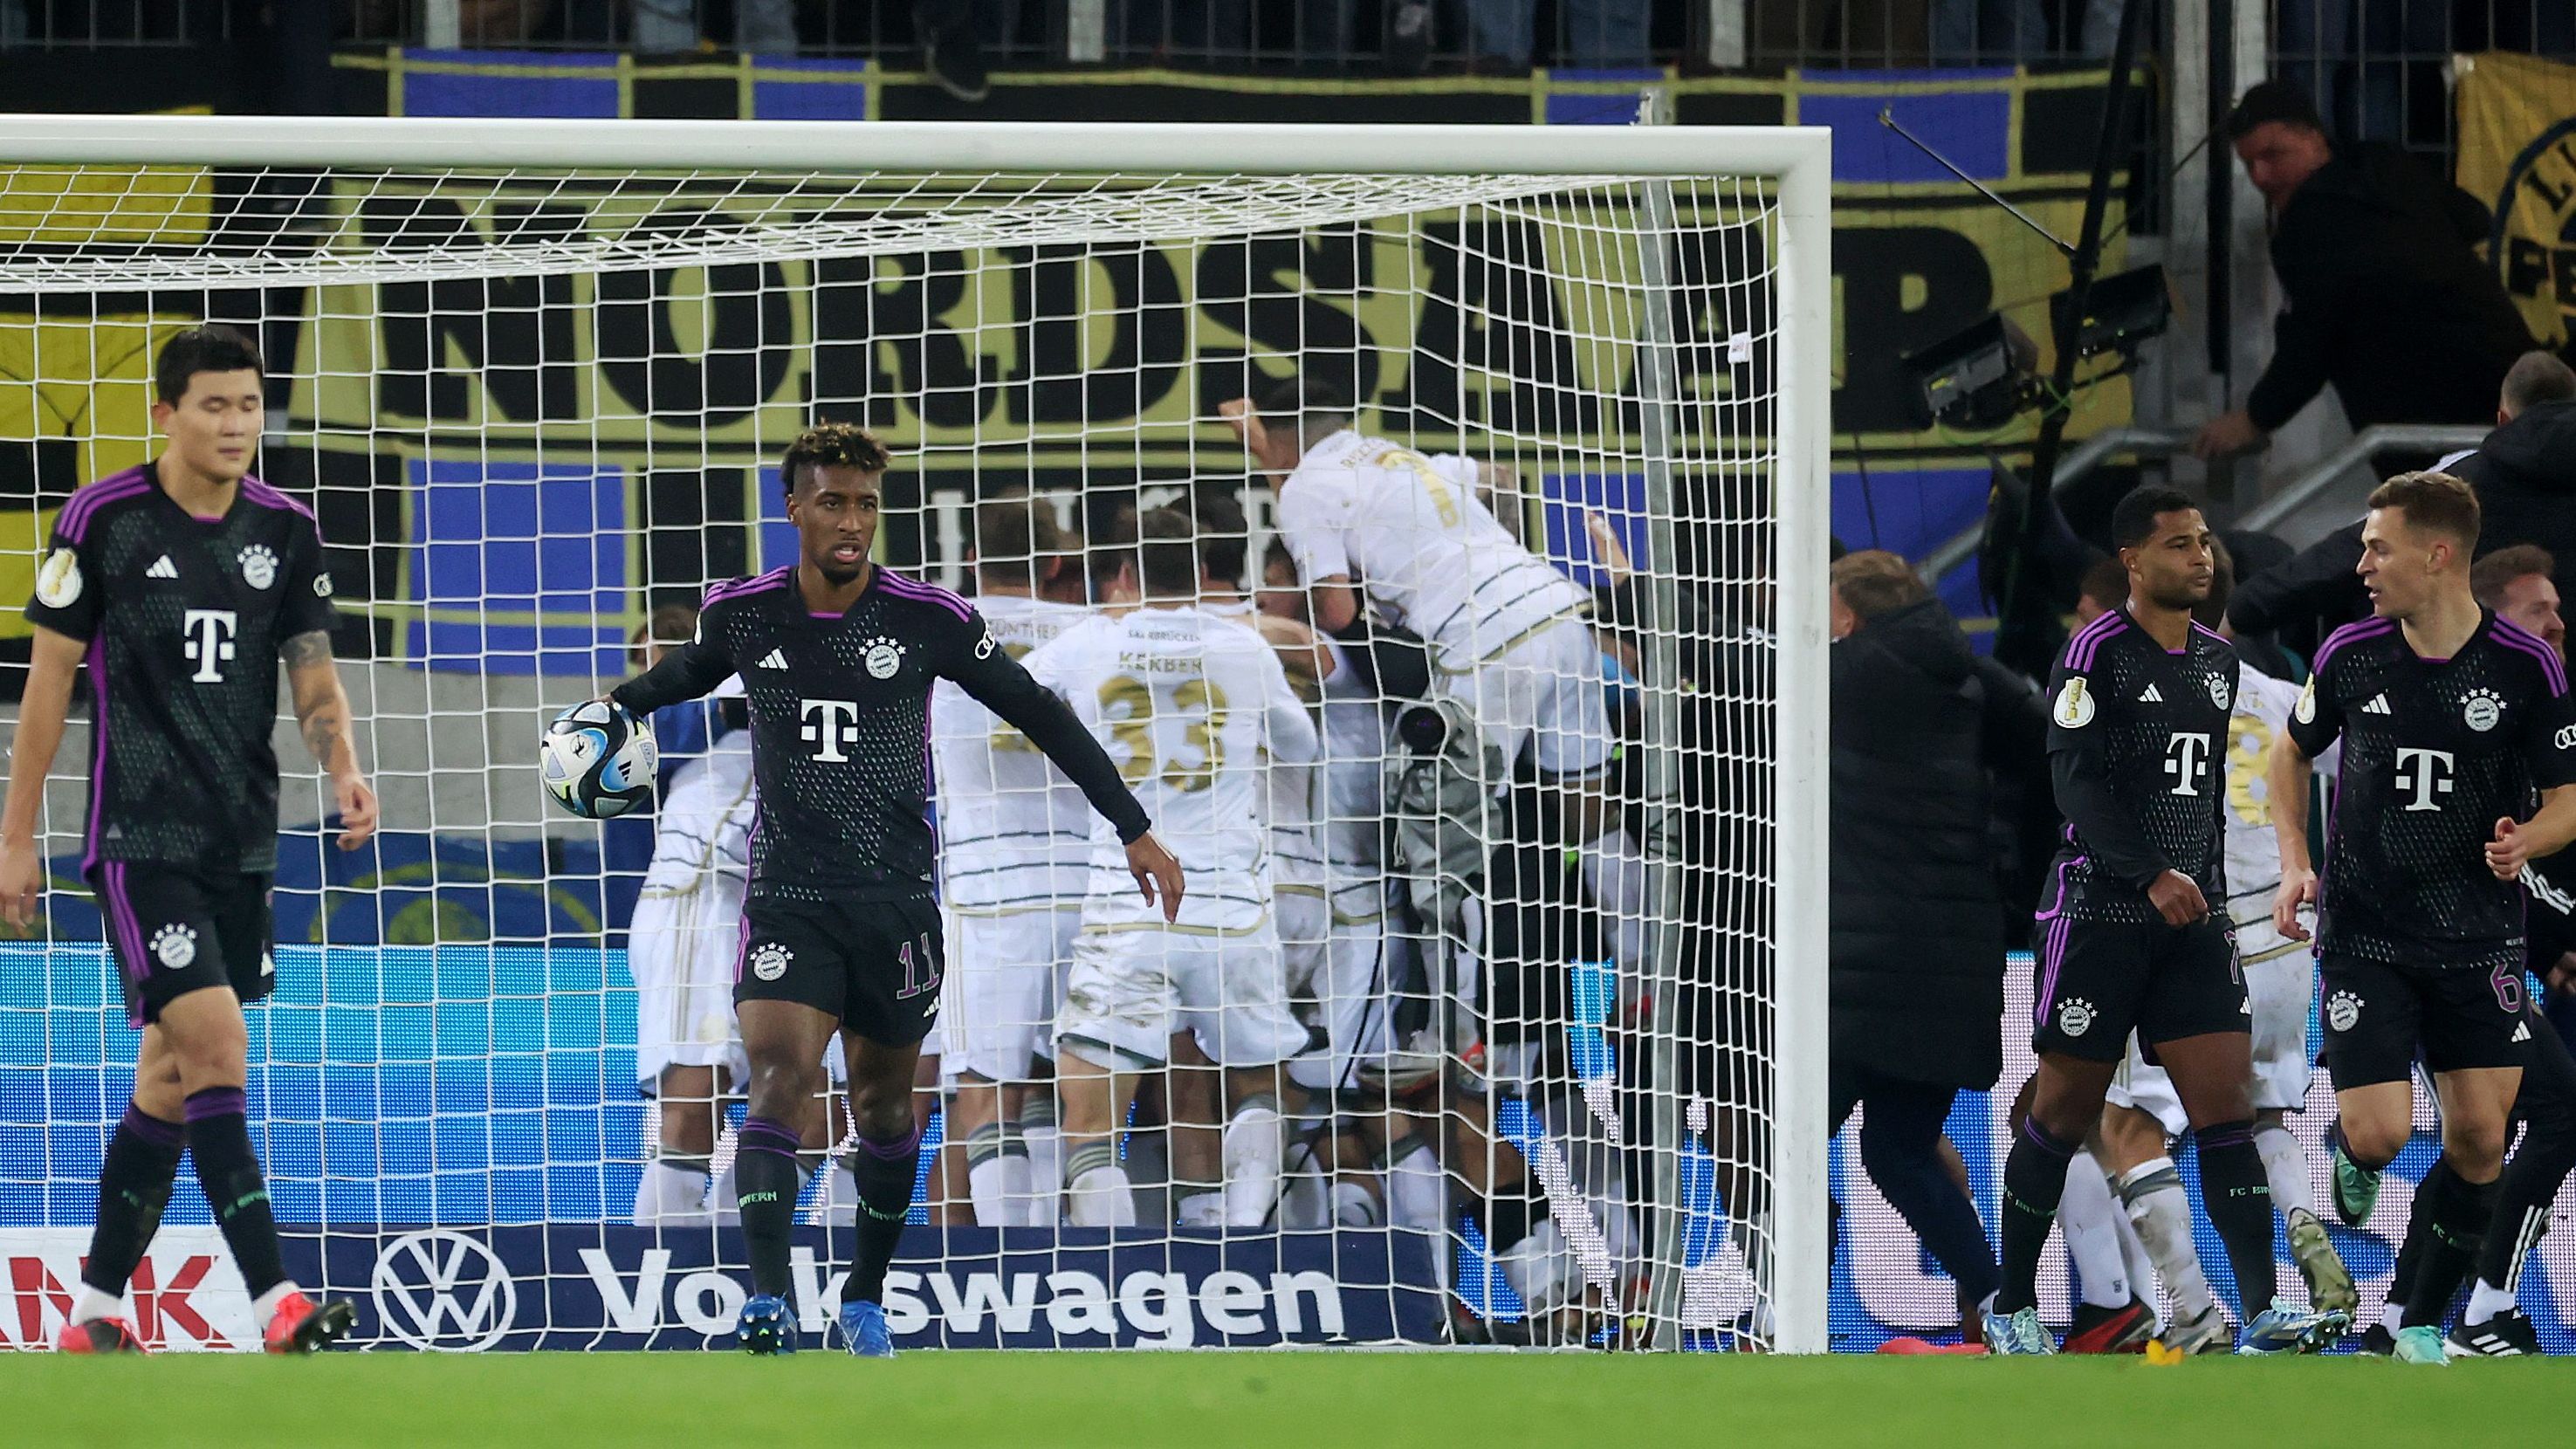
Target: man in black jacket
x,y
1917,935
2387,300
2525,477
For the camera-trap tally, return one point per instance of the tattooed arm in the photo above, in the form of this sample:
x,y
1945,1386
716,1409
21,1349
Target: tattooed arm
x,y
322,714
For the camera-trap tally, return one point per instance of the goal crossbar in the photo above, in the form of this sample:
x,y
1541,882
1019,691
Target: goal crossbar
x,y
1795,160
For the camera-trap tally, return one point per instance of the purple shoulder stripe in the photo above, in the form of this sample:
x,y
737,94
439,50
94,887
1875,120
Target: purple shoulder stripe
x,y
2350,634
85,503
735,588
927,593
2552,668
268,497
2087,643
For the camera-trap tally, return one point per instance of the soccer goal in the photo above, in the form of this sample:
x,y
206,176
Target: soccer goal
x,y
534,379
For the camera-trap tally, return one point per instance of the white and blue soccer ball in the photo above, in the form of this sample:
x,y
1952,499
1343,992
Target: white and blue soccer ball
x,y
598,760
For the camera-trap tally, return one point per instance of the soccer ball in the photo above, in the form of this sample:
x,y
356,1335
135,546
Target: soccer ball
x,y
598,760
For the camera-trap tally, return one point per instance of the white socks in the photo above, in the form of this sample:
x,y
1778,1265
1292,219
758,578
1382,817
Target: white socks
x,y
1041,1208
264,1307
2153,1192
673,1190
2285,1167
2085,1215
93,1305
1252,1159
2485,1302
1000,1189
1097,1193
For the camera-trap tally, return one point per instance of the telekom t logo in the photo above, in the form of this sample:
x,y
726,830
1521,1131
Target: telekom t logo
x,y
830,724
2424,774
210,642
2185,754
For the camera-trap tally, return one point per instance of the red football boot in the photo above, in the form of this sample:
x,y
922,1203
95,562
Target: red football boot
x,y
99,1335
304,1326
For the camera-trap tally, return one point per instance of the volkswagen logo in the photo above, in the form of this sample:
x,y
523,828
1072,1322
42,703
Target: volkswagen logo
x,y
445,1291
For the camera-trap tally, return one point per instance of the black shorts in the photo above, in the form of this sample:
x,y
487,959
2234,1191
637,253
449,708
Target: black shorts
x,y
173,931
873,966
2378,1017
2100,980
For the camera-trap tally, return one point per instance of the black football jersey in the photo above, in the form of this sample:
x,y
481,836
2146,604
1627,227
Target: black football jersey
x,y
183,616
840,726
2435,751
2137,739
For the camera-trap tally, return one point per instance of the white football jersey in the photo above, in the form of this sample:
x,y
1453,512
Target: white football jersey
x,y
1354,772
1185,701
1014,833
703,825
1289,792
1430,555
2262,711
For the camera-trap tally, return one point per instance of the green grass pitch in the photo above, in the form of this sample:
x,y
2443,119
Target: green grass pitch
x,y
1306,1400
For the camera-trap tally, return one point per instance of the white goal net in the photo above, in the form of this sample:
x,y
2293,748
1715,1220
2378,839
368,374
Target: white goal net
x,y
1560,1076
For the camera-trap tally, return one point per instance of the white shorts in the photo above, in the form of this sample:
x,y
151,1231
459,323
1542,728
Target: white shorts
x,y
1216,974
681,950
1352,1003
2281,985
1545,693
1005,980
1305,921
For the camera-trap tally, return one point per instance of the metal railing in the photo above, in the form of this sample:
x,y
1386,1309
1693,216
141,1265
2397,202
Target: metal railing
x,y
2284,502
2372,442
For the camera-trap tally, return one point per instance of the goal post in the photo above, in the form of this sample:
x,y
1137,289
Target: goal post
x,y
546,294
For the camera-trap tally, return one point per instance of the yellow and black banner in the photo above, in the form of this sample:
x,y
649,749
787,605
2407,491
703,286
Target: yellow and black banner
x,y
2518,158
451,426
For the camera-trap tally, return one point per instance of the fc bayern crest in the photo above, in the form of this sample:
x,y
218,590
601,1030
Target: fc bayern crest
x,y
884,657
2481,710
258,566
2075,1016
2219,694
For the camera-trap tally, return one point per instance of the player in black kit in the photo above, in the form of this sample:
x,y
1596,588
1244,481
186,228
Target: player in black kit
x,y
182,583
2451,718
837,657
2137,730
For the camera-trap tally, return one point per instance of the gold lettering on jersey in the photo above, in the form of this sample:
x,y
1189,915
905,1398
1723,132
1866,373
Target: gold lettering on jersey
x,y
1127,707
2074,706
2249,744
1443,500
1159,663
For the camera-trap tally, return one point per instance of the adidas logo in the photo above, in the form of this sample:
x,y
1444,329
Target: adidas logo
x,y
2522,1030
777,659
2378,705
2151,696
162,568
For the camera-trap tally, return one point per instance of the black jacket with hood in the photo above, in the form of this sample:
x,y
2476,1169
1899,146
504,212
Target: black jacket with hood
x,y
1917,927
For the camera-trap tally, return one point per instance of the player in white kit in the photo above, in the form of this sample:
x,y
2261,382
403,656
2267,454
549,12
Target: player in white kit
x,y
681,943
1186,701
1292,803
2141,1110
1507,632
1016,849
